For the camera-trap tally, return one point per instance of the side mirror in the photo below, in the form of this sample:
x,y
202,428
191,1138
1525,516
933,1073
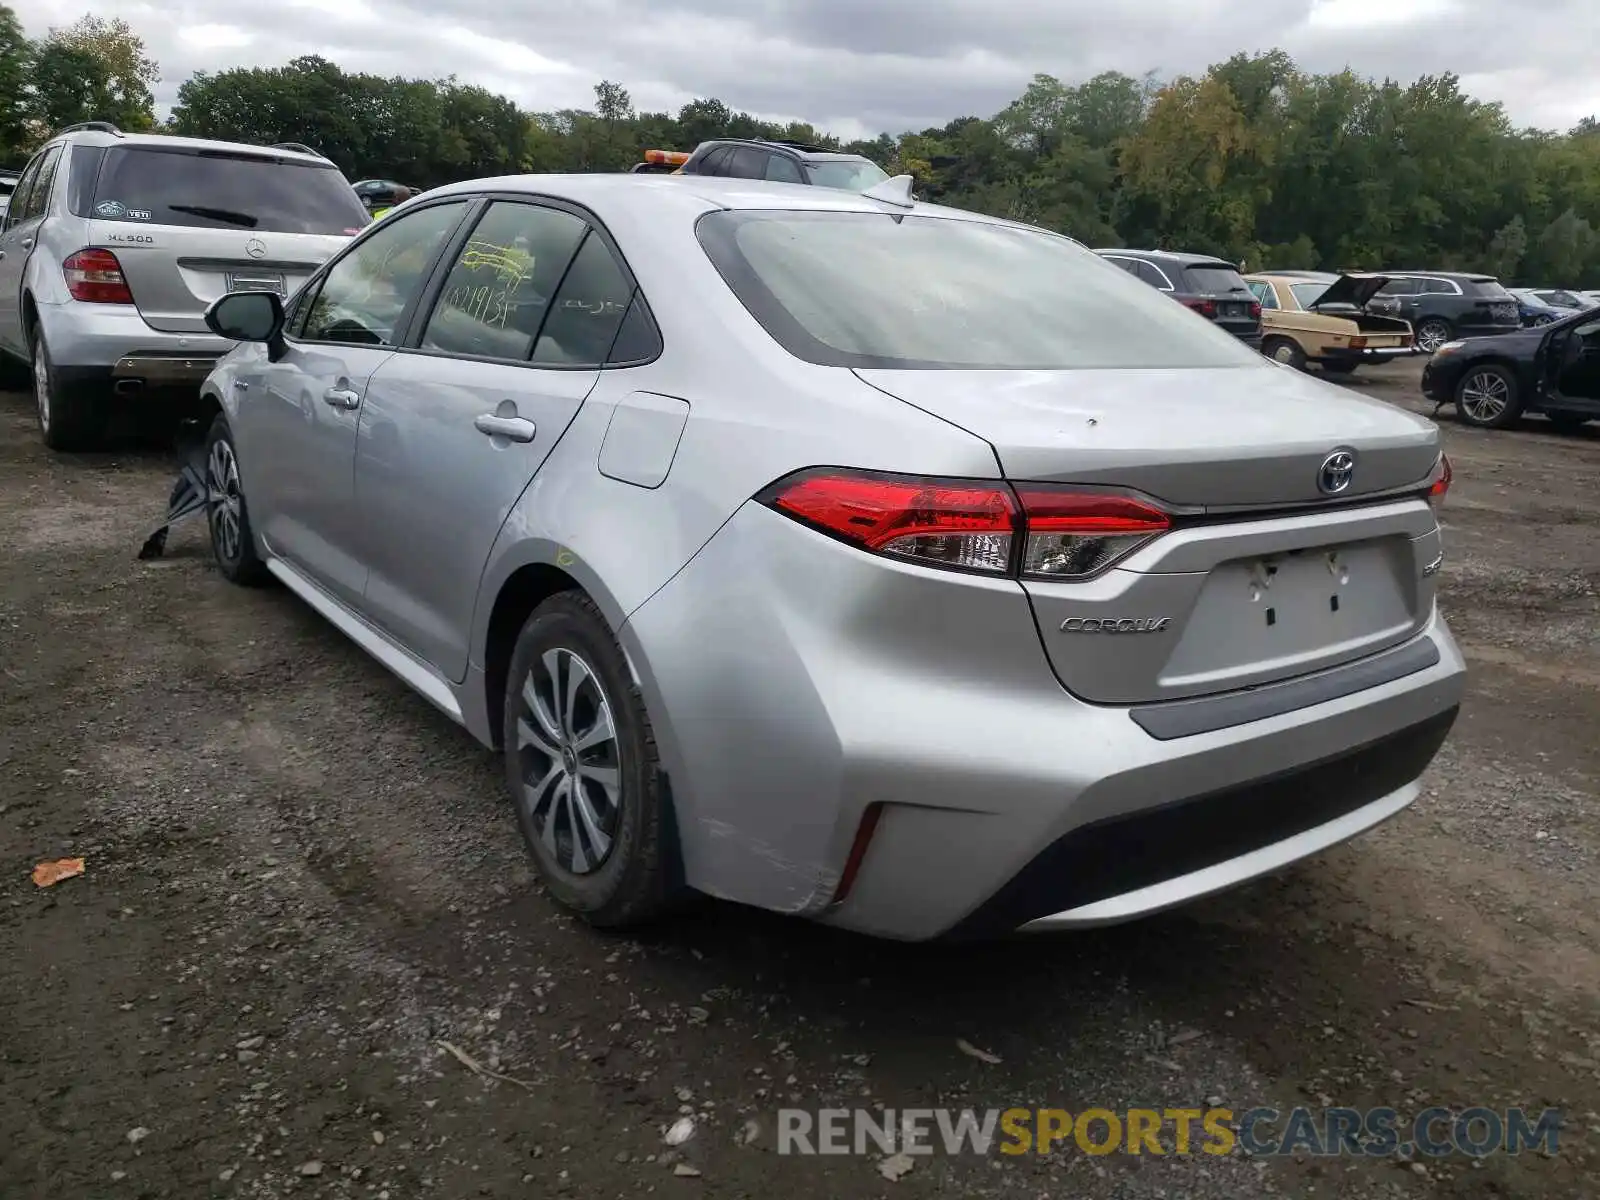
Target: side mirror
x,y
246,316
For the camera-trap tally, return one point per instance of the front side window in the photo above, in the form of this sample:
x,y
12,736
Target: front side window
x,y
498,292
214,189
365,294
853,289
19,197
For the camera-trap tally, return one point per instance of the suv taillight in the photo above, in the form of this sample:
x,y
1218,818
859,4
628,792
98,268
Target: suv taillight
x,y
1439,480
1206,308
95,277
1034,531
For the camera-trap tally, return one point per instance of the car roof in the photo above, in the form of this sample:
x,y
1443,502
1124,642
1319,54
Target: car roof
x,y
1181,257
639,195
1312,276
100,137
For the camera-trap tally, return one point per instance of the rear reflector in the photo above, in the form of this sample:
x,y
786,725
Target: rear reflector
x,y
858,852
95,277
1035,530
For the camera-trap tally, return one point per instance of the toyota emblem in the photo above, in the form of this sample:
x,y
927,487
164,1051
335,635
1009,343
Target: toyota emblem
x,y
1336,472
255,248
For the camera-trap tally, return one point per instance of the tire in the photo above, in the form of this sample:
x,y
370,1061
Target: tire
x,y
1487,397
1286,351
1433,333
1339,368
619,870
1567,422
1541,319
70,418
228,517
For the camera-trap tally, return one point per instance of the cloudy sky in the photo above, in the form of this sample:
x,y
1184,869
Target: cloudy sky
x,y
860,66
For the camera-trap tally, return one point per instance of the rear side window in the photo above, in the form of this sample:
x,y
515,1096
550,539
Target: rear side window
x,y
1265,294
748,164
638,340
1400,287
38,198
855,289
497,295
715,162
220,190
783,169
1152,274
1218,280
1487,289
588,310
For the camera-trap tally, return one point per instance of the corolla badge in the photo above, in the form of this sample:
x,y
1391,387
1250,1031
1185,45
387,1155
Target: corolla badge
x,y
1336,472
255,248
1115,624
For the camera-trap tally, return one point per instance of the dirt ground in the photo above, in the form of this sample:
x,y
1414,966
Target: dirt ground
x,y
301,881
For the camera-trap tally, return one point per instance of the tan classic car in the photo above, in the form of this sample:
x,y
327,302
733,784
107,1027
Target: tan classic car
x,y
1318,317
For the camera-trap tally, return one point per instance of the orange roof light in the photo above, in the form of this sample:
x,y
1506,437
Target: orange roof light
x,y
675,157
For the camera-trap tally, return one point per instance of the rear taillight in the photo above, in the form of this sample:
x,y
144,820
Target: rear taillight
x,y
1206,308
1439,480
95,277
1358,343
1074,534
1035,531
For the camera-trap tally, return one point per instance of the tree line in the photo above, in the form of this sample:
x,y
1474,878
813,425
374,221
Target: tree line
x,y
1255,159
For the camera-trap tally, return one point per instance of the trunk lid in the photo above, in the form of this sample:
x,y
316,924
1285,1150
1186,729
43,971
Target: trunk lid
x,y
175,272
1353,290
1263,576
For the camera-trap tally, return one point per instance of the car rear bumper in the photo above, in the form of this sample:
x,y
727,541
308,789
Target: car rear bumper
x,y
1367,355
112,341
800,687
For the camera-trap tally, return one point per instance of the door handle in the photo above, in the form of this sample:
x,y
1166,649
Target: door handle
x,y
516,429
27,243
342,398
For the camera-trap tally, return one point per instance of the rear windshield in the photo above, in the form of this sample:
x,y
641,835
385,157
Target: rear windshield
x,y
1486,289
852,289
849,175
1216,280
210,190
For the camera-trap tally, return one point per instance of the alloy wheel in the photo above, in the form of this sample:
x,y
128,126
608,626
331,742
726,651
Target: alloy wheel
x,y
225,501
569,762
1485,395
1431,336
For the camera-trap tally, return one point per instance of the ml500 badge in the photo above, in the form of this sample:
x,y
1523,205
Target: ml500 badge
x,y
1115,624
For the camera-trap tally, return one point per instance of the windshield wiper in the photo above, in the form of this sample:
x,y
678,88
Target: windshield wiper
x,y
246,220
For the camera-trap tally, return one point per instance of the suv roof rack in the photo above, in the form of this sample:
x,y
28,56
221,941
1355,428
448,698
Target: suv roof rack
x,y
806,146
95,126
298,148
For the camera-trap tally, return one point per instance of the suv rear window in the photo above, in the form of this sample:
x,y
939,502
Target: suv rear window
x,y
1487,289
1215,280
854,289
210,189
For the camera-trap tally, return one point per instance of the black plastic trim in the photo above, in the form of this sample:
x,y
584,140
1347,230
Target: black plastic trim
x,y
1206,714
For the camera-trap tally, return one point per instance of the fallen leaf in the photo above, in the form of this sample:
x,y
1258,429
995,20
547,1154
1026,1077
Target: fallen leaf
x,y
895,1166
48,874
972,1051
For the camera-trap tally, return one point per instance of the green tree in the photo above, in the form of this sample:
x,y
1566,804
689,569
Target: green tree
x,y
16,67
117,89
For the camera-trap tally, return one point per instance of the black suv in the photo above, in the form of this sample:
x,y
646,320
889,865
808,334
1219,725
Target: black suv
x,y
1211,286
781,162
1445,305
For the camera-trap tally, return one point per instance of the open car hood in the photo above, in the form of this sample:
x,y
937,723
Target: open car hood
x,y
1351,291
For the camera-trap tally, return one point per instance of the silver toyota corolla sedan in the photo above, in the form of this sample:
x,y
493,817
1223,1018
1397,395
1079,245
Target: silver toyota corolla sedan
x,y
839,554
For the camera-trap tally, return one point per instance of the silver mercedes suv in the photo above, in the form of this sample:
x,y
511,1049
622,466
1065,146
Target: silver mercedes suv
x,y
115,244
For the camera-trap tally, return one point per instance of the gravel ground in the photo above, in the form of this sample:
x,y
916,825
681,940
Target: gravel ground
x,y
301,882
